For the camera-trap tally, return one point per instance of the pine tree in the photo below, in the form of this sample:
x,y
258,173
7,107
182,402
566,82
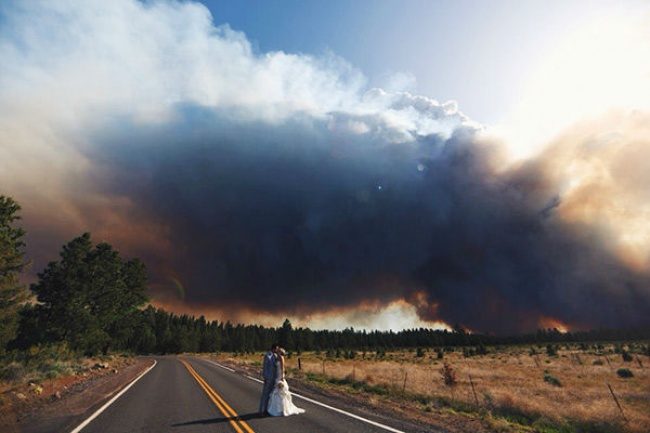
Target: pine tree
x,y
12,293
86,297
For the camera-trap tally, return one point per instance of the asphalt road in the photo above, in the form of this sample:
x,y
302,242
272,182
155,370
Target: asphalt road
x,y
194,395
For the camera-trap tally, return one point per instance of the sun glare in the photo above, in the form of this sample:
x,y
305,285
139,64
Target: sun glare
x,y
601,65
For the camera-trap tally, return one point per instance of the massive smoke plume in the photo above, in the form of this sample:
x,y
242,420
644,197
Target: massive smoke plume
x,y
279,183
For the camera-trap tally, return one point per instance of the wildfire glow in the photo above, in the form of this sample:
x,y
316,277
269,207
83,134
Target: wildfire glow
x,y
551,323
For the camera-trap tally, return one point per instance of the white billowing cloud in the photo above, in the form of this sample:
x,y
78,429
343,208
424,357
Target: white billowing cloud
x,y
70,66
138,58
142,59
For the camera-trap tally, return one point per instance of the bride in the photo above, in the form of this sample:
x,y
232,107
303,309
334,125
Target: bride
x,y
280,403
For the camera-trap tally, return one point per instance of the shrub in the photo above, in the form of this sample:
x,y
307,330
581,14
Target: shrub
x,y
440,354
12,372
551,350
624,373
52,369
548,378
448,375
468,352
420,352
626,356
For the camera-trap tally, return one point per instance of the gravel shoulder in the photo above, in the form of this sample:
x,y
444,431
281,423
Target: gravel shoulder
x,y
60,404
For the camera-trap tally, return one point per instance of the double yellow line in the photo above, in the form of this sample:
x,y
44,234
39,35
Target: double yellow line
x,y
237,423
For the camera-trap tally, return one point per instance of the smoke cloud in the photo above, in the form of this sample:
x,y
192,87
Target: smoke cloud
x,y
275,183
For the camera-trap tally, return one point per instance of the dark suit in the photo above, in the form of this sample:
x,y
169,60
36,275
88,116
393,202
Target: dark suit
x,y
269,373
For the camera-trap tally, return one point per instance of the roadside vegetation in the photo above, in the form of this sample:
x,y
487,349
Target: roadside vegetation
x,y
57,334
507,388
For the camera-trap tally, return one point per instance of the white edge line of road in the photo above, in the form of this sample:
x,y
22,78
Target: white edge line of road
x,y
327,406
222,366
112,400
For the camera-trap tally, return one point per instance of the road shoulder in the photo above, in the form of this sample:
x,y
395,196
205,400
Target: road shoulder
x,y
63,409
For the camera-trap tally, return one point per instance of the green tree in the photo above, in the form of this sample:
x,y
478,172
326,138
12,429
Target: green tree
x,y
87,296
12,293
285,335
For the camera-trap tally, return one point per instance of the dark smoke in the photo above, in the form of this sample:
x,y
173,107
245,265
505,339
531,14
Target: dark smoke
x,y
296,217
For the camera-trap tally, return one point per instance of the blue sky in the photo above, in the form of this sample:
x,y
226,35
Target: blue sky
x,y
478,53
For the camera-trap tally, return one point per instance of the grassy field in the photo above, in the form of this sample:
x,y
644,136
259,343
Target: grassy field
x,y
559,389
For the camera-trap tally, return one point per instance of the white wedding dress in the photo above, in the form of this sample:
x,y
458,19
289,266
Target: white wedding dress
x,y
280,402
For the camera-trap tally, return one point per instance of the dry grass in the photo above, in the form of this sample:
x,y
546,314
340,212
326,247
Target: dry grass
x,y
509,382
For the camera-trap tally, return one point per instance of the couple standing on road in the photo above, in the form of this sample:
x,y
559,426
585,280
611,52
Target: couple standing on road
x,y
276,398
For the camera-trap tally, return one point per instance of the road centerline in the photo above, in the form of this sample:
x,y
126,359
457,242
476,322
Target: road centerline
x,y
233,418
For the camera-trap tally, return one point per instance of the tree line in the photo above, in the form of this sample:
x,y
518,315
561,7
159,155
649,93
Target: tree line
x,y
94,300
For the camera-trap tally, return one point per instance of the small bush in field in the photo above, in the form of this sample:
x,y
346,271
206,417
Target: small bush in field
x,y
440,354
625,373
420,352
468,352
551,350
548,378
626,356
448,375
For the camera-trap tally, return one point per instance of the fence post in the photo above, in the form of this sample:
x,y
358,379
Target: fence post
x,y
609,363
299,364
473,390
323,367
404,386
354,371
616,401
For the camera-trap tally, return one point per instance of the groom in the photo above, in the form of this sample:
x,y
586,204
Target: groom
x,y
269,371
